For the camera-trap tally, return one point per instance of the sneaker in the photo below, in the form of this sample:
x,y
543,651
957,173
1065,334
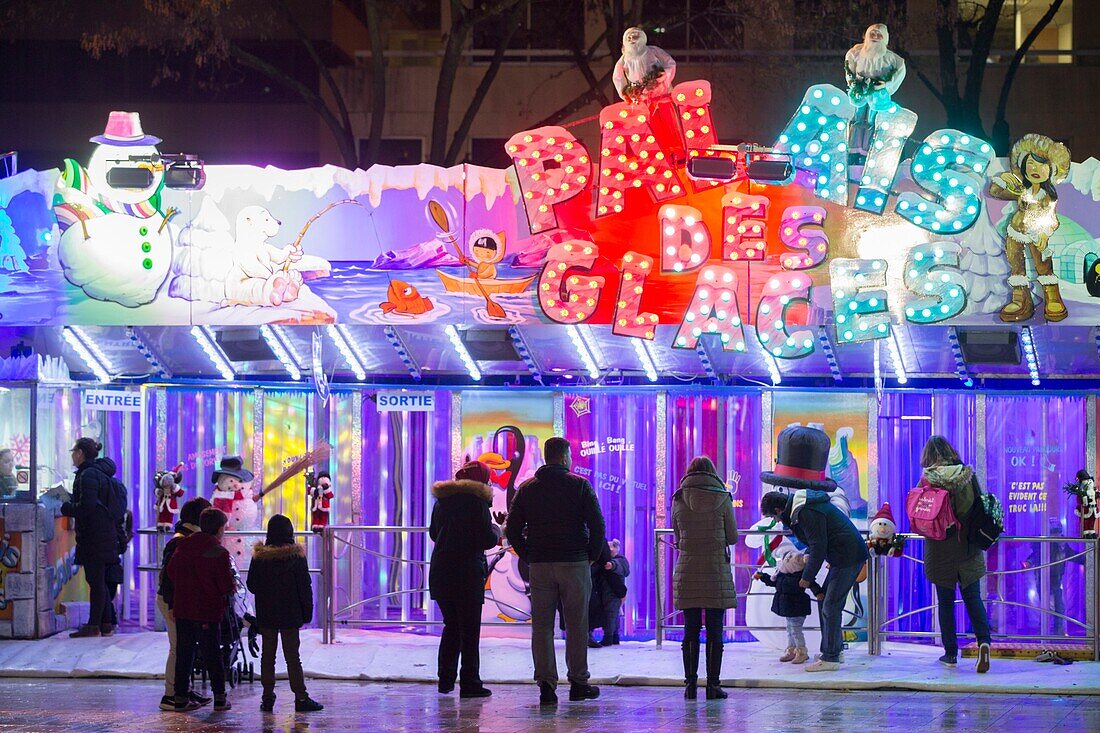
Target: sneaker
x,y
822,666
467,693
839,661
446,688
85,631
592,643
168,702
107,630
307,705
583,692
547,696
267,704
200,699
1045,656
184,706
222,704
949,660
983,659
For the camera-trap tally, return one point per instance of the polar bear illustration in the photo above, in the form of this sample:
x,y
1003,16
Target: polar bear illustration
x,y
242,268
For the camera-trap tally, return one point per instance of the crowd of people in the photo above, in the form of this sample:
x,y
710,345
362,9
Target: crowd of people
x,y
556,527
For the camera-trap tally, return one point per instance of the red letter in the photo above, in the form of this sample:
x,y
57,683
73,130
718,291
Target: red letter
x,y
628,320
552,166
814,242
566,293
631,157
685,239
713,309
744,229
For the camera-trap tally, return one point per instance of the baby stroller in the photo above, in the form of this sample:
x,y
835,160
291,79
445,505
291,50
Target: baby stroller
x,y
236,665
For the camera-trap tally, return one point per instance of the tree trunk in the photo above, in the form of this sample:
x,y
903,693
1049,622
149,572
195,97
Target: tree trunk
x,y
1001,133
378,85
463,130
452,55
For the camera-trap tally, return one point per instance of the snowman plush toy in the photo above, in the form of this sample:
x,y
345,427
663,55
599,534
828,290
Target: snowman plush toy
x,y
882,533
233,494
116,243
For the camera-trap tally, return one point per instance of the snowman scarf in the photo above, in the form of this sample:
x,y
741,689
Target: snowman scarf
x,y
74,177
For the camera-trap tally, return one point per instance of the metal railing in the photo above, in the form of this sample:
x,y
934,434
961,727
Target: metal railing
x,y
879,621
159,537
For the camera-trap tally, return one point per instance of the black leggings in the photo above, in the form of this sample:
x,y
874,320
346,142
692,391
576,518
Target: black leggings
x,y
693,622
95,574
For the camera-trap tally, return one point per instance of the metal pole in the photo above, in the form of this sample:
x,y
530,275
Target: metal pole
x,y
328,624
1095,576
872,606
658,576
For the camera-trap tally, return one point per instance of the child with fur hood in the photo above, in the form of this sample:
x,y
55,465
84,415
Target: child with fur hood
x,y
279,578
791,602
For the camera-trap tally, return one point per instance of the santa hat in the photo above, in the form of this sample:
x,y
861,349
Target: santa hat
x,y
885,513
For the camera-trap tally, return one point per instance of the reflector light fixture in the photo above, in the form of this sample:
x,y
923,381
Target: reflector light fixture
x,y
641,348
525,353
279,347
144,349
895,358
460,349
584,351
210,347
960,362
342,339
403,353
88,352
830,355
1030,354
773,367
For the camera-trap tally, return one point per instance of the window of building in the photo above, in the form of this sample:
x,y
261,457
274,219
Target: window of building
x,y
1019,18
696,25
490,152
545,26
396,150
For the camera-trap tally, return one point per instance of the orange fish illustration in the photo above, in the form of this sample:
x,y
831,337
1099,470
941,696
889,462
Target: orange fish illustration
x,y
405,299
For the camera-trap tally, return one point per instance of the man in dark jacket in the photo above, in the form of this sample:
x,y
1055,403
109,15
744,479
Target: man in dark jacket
x,y
96,531
202,579
828,536
555,525
462,530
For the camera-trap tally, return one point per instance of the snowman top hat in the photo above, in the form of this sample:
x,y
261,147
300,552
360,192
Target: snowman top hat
x,y
802,457
124,128
231,466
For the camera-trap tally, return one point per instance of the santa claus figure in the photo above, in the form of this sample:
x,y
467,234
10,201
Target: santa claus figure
x,y
882,533
233,494
872,70
1085,491
642,72
168,496
320,499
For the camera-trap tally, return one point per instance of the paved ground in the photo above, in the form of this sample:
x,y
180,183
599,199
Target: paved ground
x,y
109,705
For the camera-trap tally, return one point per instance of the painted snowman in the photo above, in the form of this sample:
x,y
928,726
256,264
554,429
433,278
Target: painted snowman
x,y
116,242
233,494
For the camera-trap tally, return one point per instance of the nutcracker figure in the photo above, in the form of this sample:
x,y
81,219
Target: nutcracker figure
x,y
1085,491
320,499
169,490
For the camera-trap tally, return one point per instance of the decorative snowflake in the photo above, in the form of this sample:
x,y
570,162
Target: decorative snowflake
x,y
581,406
21,449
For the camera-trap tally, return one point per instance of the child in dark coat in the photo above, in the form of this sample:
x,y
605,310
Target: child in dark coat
x,y
279,578
613,590
791,602
202,579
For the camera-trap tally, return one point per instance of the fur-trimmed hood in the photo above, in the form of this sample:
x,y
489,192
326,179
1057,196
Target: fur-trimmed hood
x,y
260,551
443,489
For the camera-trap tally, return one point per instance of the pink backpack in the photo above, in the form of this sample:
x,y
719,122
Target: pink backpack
x,y
931,511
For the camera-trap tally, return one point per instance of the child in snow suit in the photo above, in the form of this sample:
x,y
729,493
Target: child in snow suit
x,y
791,602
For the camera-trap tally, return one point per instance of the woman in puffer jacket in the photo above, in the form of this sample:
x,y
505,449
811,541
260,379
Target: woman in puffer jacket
x,y
702,581
954,561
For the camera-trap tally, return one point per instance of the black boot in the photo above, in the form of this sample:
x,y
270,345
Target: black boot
x,y
690,649
714,670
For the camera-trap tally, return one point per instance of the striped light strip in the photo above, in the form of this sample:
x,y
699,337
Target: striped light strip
x,y
830,355
88,352
145,350
960,362
895,358
704,359
281,350
217,357
773,368
342,339
584,351
1030,354
402,350
641,348
460,349
520,343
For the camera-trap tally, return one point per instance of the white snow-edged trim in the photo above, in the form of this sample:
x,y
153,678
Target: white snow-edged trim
x,y
1048,279
1018,281
472,180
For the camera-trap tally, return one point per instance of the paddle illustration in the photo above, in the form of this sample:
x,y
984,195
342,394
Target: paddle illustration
x,y
439,216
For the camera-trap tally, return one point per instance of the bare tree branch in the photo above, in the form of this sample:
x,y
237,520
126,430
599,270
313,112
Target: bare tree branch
x,y
378,84
1000,122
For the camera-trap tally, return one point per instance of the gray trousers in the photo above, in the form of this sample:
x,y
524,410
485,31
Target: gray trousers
x,y
571,584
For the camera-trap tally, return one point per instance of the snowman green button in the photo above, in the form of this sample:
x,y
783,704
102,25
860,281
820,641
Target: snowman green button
x,y
147,263
146,247
143,231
